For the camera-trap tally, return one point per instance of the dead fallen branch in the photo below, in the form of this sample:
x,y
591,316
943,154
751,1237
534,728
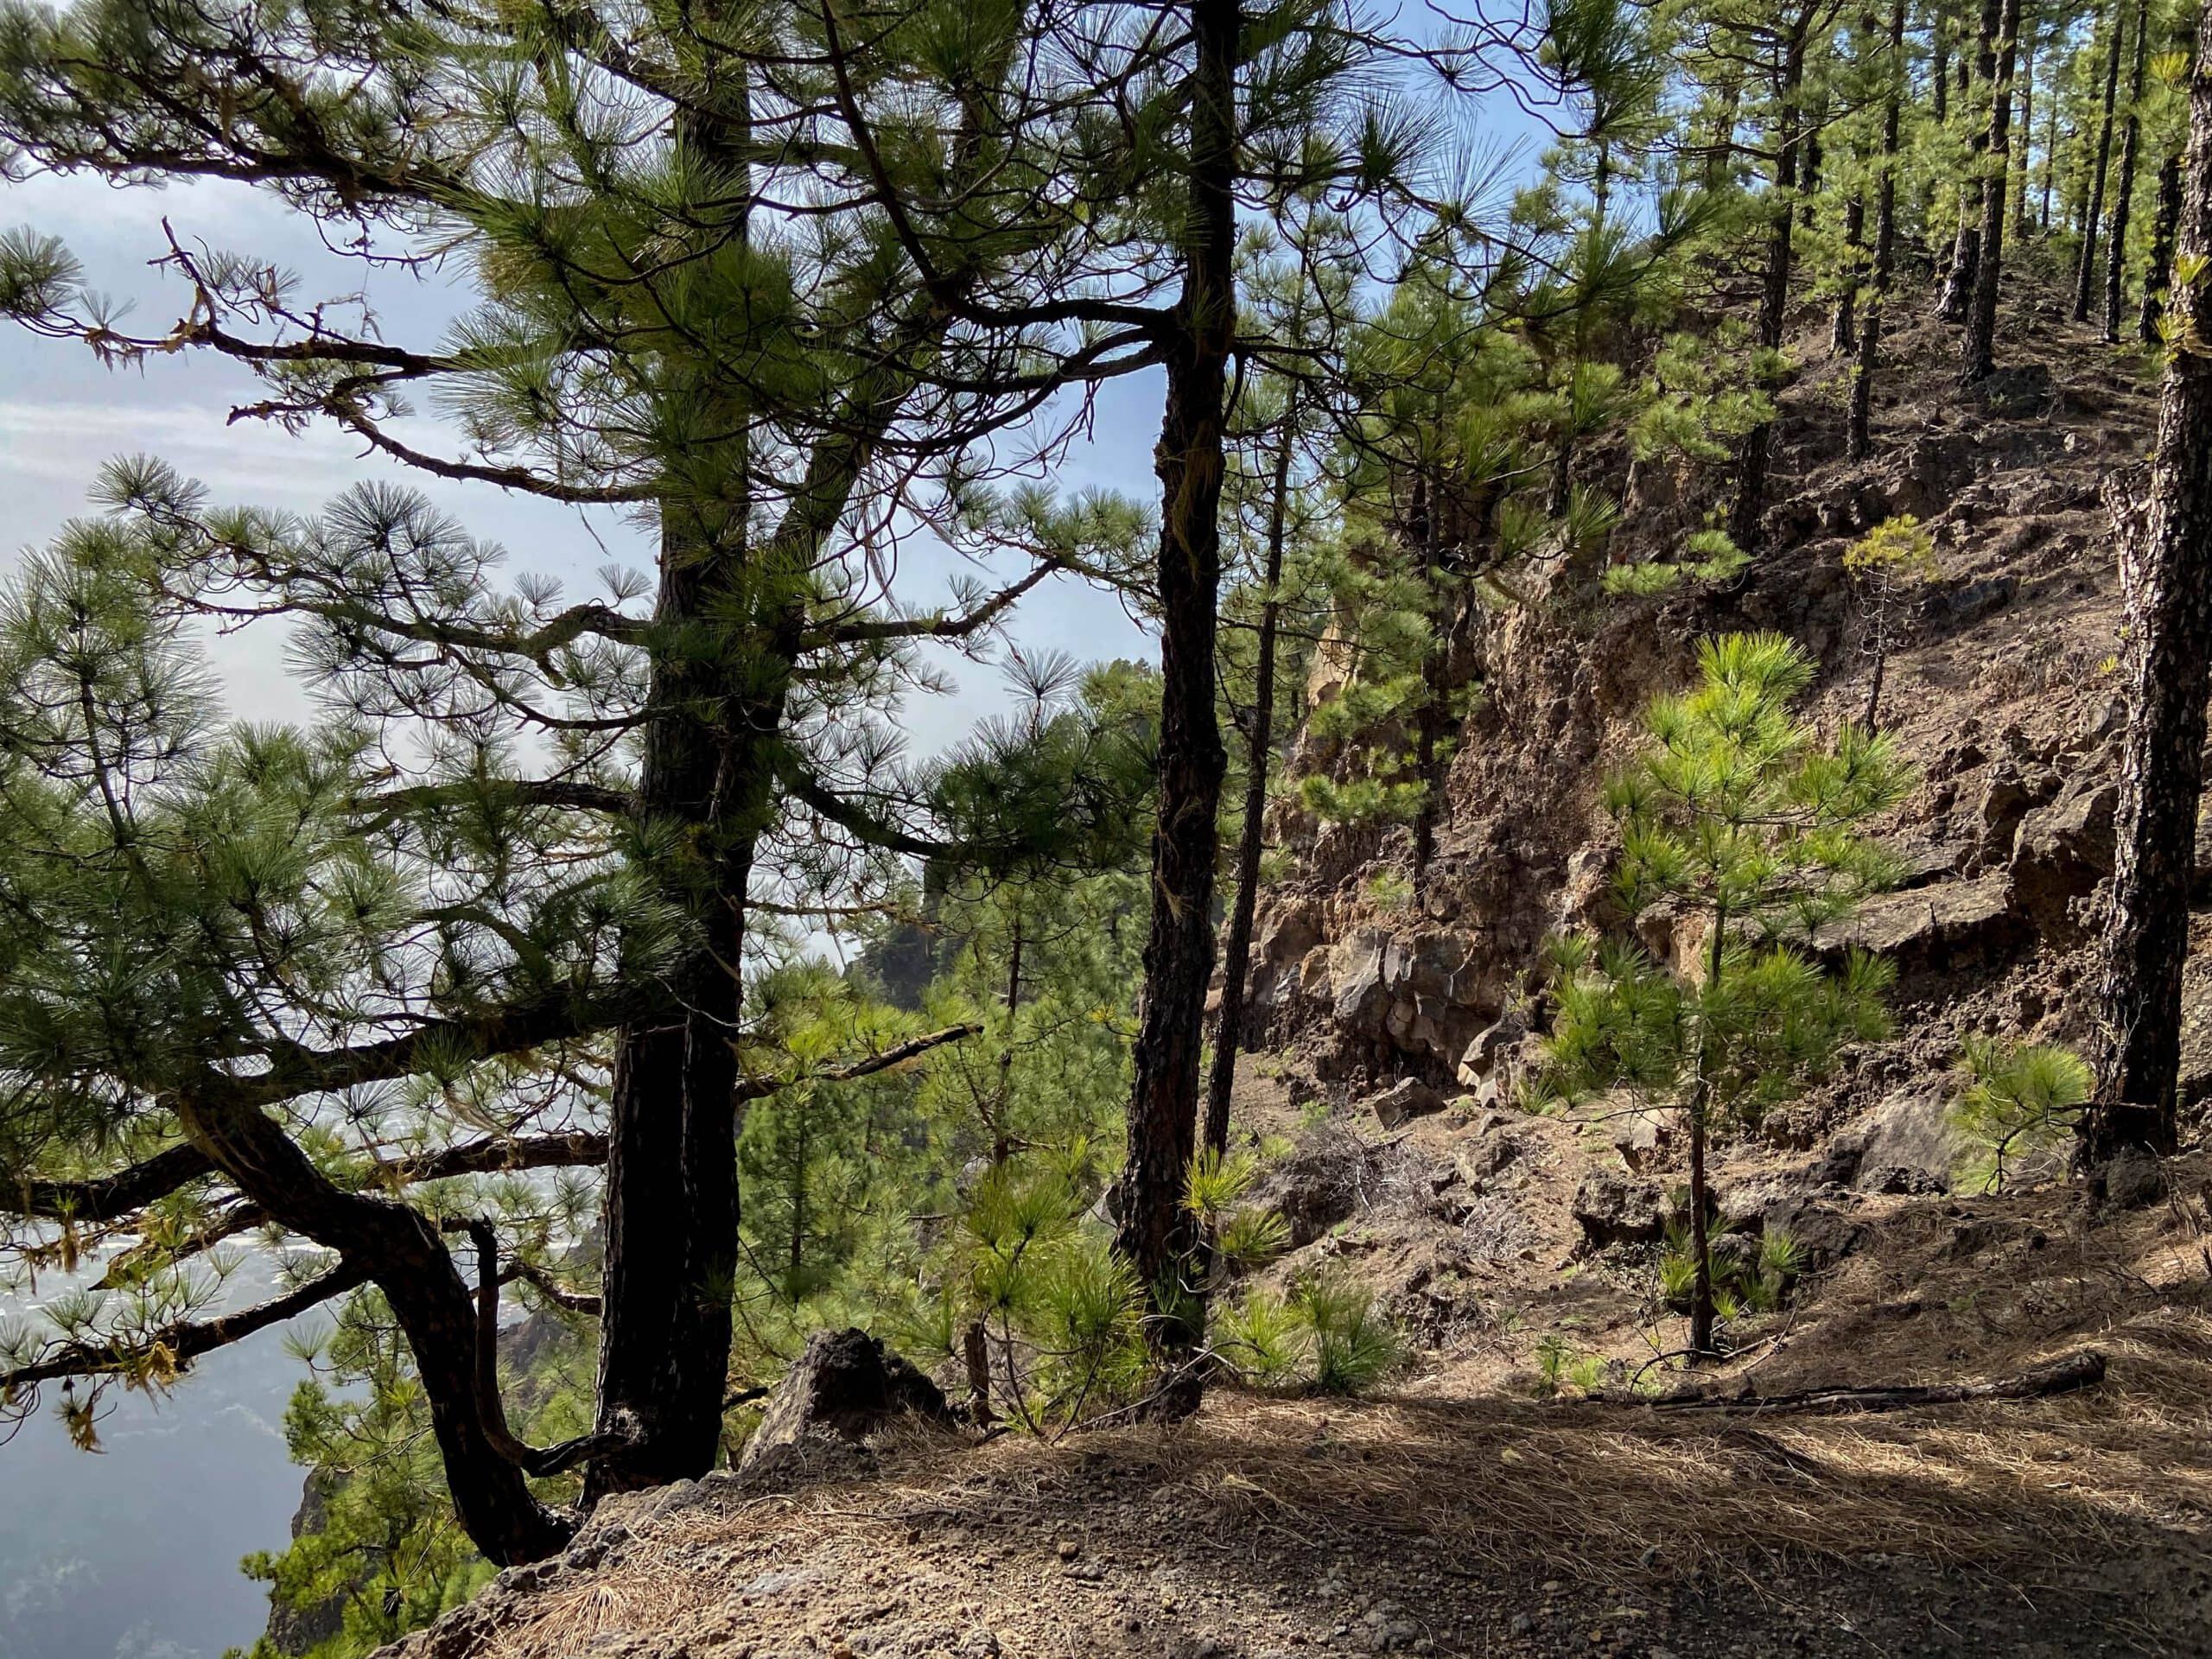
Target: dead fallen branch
x,y
2082,1370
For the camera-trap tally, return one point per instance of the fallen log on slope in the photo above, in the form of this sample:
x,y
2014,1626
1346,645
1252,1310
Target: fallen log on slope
x,y
2083,1370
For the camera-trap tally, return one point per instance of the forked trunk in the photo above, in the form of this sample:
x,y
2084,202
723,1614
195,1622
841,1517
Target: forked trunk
x,y
2124,188
1860,434
2085,272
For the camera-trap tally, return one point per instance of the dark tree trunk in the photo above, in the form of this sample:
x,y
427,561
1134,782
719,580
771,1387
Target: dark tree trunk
x,y
1843,329
1701,1308
1959,285
2085,273
2124,187
2167,578
1979,355
2027,146
1859,436
1157,1232
2049,163
2159,268
1813,156
403,1254
1259,741
672,1207
1940,81
1429,723
1755,456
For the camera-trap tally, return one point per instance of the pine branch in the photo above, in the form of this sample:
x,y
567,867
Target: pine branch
x,y
175,1346
108,1198
936,627
761,1088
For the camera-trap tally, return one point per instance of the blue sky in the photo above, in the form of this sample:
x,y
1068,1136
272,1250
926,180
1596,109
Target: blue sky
x,y
62,415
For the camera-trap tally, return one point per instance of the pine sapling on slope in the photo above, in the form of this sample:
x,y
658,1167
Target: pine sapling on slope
x,y
1739,816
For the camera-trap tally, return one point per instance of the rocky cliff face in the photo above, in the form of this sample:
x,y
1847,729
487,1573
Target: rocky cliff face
x,y
2000,689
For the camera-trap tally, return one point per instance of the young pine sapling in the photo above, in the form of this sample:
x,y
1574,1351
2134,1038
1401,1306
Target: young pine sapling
x,y
1740,817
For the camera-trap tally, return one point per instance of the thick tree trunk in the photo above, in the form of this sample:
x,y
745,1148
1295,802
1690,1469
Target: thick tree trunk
x,y
1259,741
671,1205
2159,268
1157,1233
1859,435
1957,302
2085,272
2167,578
405,1257
2124,188
1755,458
1980,352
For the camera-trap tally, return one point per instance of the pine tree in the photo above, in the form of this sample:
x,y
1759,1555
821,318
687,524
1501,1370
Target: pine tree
x,y
1743,821
2169,596
760,398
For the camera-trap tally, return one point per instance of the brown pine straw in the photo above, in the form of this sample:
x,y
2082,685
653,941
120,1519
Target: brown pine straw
x,y
1492,1484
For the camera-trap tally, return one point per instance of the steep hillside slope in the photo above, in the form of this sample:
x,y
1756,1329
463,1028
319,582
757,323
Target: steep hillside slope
x,y
1511,1492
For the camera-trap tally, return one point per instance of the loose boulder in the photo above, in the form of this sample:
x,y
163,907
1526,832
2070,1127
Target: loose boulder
x,y
1613,1210
1404,1101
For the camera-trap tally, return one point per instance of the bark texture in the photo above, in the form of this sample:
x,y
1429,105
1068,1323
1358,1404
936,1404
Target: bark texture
x,y
2166,566
1157,1233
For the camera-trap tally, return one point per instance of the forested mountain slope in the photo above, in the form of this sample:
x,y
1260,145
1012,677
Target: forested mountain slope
x,y
1514,1488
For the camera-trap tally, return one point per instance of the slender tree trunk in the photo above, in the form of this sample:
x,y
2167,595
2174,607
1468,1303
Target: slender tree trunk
x,y
2158,270
2166,576
1699,1105
974,1342
2124,189
1843,329
1940,81
2027,144
1259,742
2085,272
2049,162
1814,155
1859,436
1157,1233
1720,155
1755,456
1428,726
1980,356
1957,302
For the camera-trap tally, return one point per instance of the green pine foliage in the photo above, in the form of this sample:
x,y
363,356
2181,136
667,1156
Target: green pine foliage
x,y
1751,830
2018,1103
